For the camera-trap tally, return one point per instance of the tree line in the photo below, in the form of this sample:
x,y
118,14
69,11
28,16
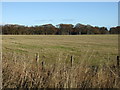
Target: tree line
x,y
60,29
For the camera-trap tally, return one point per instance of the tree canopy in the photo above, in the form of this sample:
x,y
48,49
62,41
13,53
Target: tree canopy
x,y
60,29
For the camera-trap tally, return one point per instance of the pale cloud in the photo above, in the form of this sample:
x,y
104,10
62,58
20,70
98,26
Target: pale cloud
x,y
2,23
43,20
68,20
55,20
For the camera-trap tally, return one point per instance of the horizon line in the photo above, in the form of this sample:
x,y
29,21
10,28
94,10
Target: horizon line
x,y
108,27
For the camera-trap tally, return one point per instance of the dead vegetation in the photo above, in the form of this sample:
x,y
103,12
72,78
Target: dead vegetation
x,y
20,71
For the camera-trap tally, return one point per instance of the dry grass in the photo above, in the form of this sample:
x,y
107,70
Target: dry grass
x,y
93,62
25,72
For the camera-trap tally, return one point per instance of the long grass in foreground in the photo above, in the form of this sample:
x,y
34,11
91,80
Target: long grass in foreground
x,y
20,71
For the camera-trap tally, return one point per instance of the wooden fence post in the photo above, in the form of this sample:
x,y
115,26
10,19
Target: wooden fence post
x,y
71,61
118,61
42,65
37,57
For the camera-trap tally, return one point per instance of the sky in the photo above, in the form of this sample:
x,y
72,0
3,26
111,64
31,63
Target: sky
x,y
39,13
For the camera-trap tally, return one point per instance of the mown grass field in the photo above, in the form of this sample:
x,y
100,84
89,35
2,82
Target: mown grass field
x,y
96,48
55,51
